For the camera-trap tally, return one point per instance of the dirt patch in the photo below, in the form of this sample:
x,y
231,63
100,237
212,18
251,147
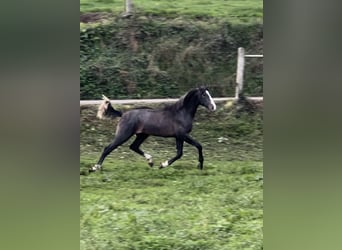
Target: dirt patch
x,y
94,17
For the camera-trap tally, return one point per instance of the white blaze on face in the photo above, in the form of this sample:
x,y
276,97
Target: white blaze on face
x,y
211,100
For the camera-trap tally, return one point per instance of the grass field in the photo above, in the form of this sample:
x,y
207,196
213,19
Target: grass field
x,y
237,11
132,206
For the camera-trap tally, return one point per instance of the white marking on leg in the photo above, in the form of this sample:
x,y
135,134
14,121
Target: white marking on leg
x,y
149,159
165,164
211,100
147,156
95,167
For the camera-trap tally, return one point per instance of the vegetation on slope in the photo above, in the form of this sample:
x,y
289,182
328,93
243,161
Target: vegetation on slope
x,y
144,57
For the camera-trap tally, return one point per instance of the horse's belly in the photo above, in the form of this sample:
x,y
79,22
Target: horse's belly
x,y
158,129
158,132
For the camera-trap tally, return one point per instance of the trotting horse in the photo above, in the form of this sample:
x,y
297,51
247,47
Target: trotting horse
x,y
174,120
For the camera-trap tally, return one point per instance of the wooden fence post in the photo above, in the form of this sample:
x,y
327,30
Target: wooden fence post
x,y
239,71
128,7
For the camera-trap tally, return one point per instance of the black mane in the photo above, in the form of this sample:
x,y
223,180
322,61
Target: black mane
x,y
181,102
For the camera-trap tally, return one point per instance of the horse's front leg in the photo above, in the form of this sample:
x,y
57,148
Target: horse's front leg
x,y
193,142
179,145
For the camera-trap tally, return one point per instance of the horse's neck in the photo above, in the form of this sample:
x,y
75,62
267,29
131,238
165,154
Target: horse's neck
x,y
191,107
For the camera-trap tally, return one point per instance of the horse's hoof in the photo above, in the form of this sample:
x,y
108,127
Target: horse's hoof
x,y
150,164
94,168
200,166
164,164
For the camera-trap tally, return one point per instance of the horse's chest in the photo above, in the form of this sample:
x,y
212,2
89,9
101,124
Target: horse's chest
x,y
184,127
188,128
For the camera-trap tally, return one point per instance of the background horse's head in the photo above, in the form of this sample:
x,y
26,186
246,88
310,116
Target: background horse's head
x,y
205,98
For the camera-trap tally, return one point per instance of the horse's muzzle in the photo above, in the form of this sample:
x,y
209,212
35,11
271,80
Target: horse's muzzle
x,y
212,107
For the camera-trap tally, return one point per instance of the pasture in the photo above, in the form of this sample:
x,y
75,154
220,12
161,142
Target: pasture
x,y
132,206
236,11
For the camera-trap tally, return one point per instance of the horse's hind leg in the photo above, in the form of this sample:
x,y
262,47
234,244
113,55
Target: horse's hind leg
x,y
135,147
122,135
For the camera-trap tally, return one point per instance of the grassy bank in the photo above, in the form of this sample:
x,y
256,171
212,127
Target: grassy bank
x,y
149,57
167,47
132,206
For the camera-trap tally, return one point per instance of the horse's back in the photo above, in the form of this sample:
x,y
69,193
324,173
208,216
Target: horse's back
x,y
150,121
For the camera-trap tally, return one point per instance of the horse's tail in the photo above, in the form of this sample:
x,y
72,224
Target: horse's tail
x,y
106,110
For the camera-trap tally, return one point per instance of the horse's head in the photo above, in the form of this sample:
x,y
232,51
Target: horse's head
x,y
205,99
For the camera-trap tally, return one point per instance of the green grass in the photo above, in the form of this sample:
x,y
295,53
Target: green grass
x,y
132,206
236,11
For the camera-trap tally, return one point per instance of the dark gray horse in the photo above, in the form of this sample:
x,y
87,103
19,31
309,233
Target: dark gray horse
x,y
173,120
